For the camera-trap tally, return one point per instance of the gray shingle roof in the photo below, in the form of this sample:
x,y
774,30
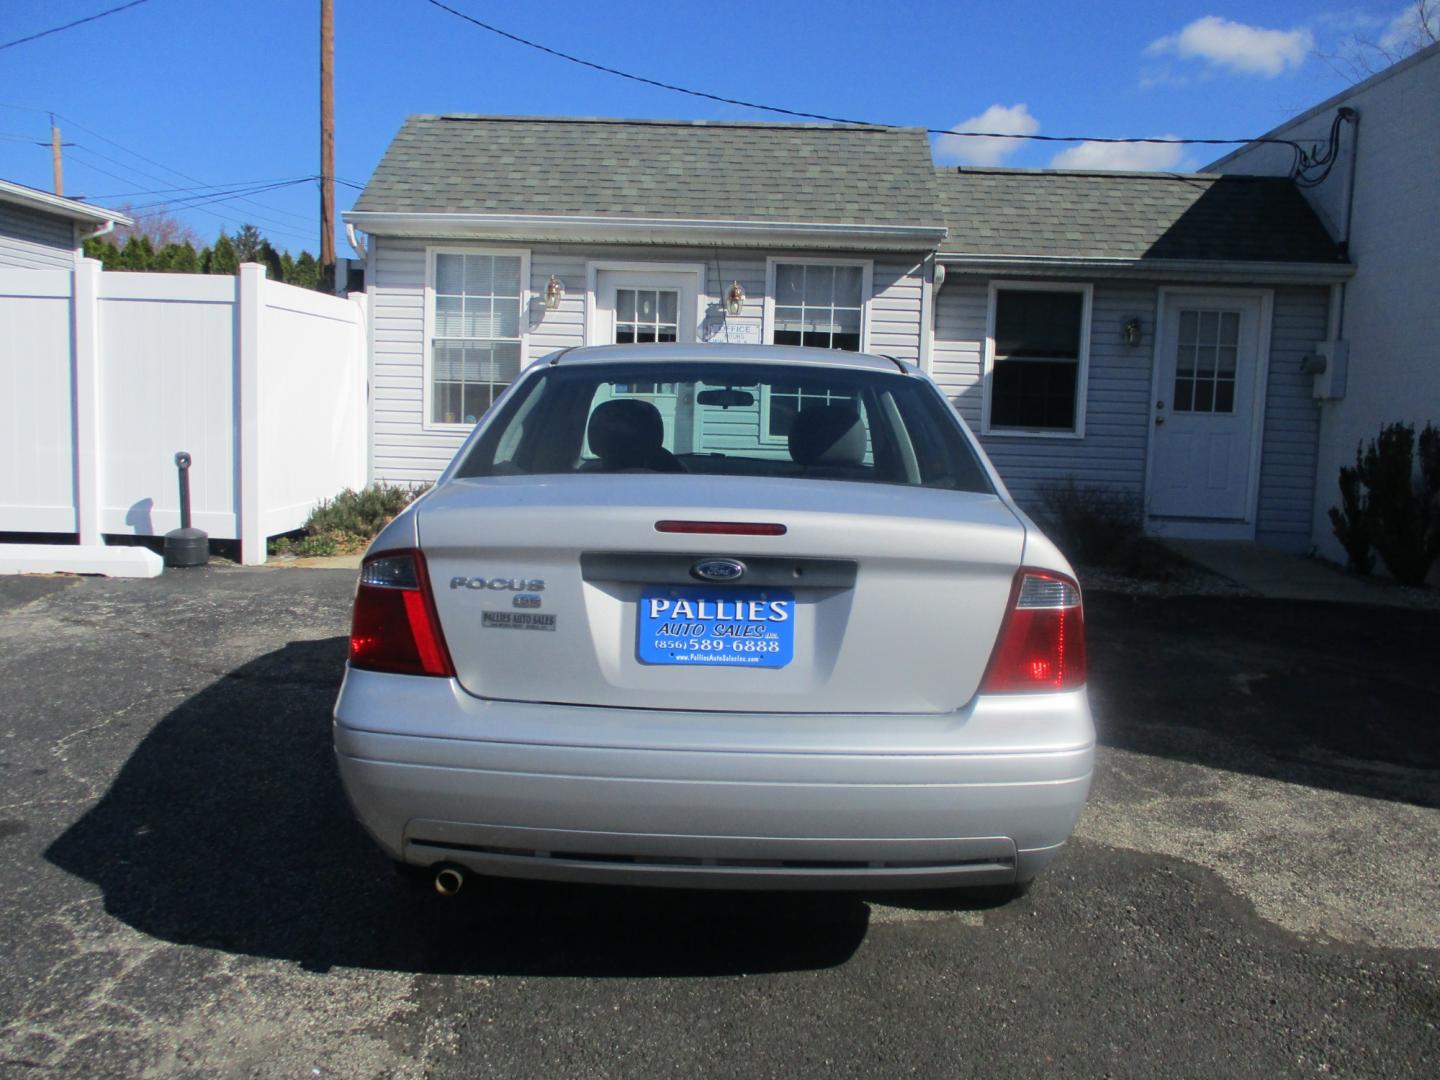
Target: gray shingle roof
x,y
804,173
1130,216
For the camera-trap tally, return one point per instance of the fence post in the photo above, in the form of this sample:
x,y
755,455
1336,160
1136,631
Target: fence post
x,y
85,330
249,312
361,384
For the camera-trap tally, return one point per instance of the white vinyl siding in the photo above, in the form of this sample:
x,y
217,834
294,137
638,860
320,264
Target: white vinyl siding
x,y
1112,451
1117,427
405,450
30,240
896,291
1292,420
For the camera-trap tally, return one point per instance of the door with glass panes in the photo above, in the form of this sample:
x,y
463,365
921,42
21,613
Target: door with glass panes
x,y
1204,417
642,307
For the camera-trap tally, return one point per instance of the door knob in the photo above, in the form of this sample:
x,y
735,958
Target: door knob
x,y
1159,420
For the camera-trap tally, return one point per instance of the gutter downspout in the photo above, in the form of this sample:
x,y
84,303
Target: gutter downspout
x,y
1338,293
98,231
356,244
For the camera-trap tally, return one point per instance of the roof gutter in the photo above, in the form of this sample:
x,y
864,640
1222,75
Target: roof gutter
x,y
1215,270
59,205
596,228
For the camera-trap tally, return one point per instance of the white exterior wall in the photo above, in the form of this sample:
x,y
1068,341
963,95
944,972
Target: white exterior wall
x,y
405,450
1113,451
32,240
104,376
1391,311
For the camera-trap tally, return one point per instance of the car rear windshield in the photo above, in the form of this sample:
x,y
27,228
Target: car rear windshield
x,y
786,420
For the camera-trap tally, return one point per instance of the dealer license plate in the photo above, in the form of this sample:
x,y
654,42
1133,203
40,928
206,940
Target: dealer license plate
x,y
715,627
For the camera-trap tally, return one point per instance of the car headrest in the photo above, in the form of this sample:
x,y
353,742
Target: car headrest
x,y
827,435
625,430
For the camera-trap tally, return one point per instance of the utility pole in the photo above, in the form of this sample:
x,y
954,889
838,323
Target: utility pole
x,y
327,144
55,157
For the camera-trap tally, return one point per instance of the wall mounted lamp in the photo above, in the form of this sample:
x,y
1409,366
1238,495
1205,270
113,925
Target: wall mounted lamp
x,y
554,293
734,299
1130,332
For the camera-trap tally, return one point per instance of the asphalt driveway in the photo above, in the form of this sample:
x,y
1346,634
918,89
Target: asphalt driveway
x,y
1253,890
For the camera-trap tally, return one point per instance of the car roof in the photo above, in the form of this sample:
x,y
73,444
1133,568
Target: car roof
x,y
724,353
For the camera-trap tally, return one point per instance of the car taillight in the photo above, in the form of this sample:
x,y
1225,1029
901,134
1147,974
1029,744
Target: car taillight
x,y
394,627
1042,641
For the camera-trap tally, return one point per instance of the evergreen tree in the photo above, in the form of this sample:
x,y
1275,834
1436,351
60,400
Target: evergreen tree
x,y
271,258
177,259
205,258
222,257
249,244
104,249
138,254
307,271
287,268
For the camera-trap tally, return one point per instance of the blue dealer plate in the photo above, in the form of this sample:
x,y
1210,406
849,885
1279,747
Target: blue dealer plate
x,y
699,626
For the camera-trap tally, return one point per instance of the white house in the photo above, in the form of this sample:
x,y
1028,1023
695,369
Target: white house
x,y
1142,332
40,231
1381,199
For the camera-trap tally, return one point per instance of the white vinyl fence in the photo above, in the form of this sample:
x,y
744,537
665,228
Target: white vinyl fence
x,y
104,376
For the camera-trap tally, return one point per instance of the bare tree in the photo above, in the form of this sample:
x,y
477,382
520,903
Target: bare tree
x,y
160,228
1361,55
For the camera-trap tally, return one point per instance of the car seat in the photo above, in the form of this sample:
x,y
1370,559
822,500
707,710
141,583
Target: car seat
x,y
628,435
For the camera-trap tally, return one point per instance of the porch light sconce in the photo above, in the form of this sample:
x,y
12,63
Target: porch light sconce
x,y
1130,332
734,299
554,293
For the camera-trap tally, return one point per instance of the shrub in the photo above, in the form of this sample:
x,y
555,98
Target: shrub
x,y
1092,525
348,522
1350,521
1403,500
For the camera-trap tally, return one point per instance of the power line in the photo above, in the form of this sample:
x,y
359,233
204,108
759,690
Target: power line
x,y
822,116
72,25
169,169
195,201
211,213
272,222
195,189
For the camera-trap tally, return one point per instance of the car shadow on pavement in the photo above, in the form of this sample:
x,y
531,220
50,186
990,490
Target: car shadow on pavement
x,y
227,828
1336,696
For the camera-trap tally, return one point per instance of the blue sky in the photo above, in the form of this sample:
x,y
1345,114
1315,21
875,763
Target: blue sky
x,y
182,93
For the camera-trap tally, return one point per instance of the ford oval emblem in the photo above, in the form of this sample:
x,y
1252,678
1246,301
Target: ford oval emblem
x,y
718,569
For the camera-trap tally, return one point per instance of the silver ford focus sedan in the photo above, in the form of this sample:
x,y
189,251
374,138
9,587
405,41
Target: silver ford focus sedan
x,y
718,616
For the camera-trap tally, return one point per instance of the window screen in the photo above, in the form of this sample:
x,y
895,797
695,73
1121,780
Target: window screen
x,y
475,350
818,305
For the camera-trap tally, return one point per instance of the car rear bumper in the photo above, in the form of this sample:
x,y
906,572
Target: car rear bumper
x,y
982,796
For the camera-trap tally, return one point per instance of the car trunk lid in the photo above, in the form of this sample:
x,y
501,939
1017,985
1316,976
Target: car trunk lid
x,y
894,595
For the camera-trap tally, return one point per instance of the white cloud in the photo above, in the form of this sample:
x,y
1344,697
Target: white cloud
x,y
1415,27
1121,157
1007,119
1249,50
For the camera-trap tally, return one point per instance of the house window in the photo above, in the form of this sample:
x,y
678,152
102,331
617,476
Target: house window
x,y
646,315
1038,359
783,402
1206,350
475,349
819,304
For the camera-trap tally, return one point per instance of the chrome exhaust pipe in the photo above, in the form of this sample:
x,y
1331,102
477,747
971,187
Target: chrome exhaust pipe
x,y
449,880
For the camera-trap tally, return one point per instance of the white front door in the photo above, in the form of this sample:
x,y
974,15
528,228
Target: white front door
x,y
640,306
1208,391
